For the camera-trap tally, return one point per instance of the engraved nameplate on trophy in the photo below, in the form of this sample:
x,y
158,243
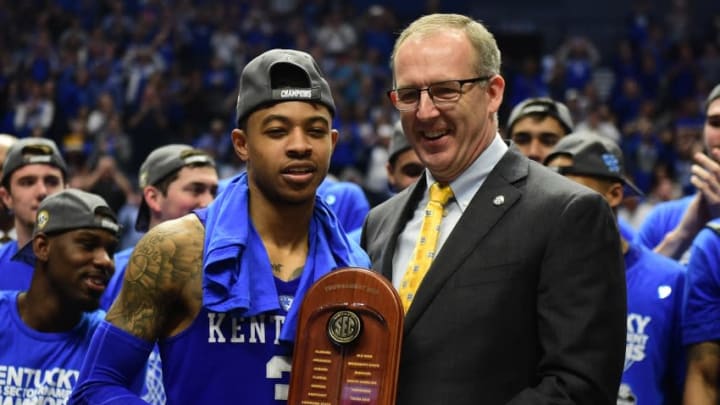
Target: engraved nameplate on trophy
x,y
347,348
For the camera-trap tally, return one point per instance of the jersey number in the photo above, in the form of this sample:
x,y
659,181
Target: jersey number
x,y
274,370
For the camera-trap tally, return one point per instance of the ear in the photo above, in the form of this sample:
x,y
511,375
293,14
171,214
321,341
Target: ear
x,y
6,197
495,90
334,134
41,247
239,140
152,198
615,194
390,174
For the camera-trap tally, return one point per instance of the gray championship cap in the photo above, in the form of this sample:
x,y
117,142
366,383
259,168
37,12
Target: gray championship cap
x,y
541,106
281,75
28,151
594,156
69,210
398,142
714,95
161,163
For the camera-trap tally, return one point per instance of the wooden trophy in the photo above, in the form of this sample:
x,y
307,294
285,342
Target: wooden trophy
x,y
347,348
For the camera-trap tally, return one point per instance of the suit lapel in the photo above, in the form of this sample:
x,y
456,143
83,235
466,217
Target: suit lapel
x,y
491,202
406,205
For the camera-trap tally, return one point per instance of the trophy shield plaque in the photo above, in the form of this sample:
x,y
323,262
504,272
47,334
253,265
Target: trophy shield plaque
x,y
347,347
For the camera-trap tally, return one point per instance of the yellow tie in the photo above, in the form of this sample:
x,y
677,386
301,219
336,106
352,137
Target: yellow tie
x,y
424,251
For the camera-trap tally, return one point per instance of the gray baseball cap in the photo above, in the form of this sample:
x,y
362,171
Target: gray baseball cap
x,y
281,75
541,106
594,156
161,163
69,210
28,151
398,142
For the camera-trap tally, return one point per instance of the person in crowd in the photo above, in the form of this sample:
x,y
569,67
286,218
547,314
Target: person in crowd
x,y
520,298
7,221
347,200
536,124
203,286
654,361
33,170
671,226
701,328
403,166
47,328
175,179
701,321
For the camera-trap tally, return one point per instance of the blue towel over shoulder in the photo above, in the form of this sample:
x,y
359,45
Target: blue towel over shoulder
x,y
237,276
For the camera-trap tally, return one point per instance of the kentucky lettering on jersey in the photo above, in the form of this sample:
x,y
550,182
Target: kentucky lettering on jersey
x,y
216,342
255,331
637,339
23,385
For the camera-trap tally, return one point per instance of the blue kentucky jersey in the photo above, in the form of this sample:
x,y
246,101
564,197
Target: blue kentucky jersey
x,y
654,362
38,367
224,344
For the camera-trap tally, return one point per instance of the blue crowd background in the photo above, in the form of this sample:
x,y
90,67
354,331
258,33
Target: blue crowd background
x,y
111,80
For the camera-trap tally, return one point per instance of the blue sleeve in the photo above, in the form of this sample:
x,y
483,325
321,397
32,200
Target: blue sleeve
x,y
357,211
114,360
651,231
626,230
701,322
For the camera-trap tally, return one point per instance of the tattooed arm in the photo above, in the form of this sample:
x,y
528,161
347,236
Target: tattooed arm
x,y
160,297
162,291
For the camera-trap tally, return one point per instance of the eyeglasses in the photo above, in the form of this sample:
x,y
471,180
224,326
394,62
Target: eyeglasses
x,y
441,94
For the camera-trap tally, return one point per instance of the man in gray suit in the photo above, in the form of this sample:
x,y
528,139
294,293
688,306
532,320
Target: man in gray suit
x,y
524,302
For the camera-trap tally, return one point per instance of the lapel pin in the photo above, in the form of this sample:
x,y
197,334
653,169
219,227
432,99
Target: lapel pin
x,y
499,200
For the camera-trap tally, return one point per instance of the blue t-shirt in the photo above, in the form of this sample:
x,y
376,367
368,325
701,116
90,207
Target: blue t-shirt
x,y
626,230
663,218
223,356
14,274
654,361
701,322
37,367
347,200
